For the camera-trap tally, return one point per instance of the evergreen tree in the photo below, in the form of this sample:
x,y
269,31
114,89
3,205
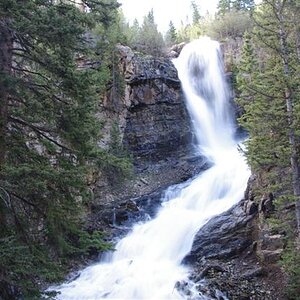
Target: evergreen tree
x,y
196,14
150,40
248,72
183,33
243,4
224,6
231,25
150,17
272,116
275,33
171,35
134,34
48,132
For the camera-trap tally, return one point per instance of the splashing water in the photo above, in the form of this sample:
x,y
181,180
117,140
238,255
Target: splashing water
x,y
147,262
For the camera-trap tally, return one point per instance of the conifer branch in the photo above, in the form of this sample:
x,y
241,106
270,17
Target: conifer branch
x,y
40,132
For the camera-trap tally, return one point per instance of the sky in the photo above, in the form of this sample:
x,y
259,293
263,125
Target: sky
x,y
165,10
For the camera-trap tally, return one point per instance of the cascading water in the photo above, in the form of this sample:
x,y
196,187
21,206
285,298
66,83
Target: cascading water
x,y
147,262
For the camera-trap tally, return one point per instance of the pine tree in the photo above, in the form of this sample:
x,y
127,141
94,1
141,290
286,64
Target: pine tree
x,y
48,132
196,13
150,40
171,35
248,72
133,35
224,6
243,4
272,118
274,31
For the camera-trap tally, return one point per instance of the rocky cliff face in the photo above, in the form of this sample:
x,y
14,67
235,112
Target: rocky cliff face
x,y
234,255
154,126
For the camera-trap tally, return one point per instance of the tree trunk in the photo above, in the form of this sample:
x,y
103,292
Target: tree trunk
x,y
6,46
290,113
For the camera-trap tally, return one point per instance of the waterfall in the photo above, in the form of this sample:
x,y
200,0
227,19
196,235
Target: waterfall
x,y
147,262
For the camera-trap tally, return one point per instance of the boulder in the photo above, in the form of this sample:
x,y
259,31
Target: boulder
x,y
224,236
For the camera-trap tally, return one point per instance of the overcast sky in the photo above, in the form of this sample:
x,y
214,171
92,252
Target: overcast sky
x,y
164,10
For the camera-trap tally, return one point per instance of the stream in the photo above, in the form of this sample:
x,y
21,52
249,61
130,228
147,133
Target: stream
x,y
147,262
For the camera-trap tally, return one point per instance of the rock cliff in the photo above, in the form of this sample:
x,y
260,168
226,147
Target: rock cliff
x,y
233,256
154,127
154,120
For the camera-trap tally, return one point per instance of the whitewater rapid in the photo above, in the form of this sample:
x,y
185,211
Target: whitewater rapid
x,y
147,262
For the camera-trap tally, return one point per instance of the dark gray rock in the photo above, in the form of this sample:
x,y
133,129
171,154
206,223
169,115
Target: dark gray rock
x,y
224,236
230,254
117,218
157,123
251,208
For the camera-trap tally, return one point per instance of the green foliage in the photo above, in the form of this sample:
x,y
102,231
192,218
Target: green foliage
x,y
122,163
224,27
116,145
171,35
231,25
225,6
260,93
291,263
268,94
196,13
146,38
49,97
187,33
133,34
28,263
183,33
150,40
92,242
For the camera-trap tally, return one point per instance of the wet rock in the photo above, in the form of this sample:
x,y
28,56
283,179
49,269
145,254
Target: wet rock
x,y
242,272
149,110
117,218
224,236
183,287
211,269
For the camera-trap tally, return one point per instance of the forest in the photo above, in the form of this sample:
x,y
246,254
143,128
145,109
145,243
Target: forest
x,y
57,65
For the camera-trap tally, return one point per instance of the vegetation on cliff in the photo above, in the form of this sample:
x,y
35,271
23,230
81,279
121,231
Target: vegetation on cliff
x,y
50,85
268,84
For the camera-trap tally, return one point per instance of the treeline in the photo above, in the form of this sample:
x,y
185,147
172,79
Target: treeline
x,y
231,21
54,67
